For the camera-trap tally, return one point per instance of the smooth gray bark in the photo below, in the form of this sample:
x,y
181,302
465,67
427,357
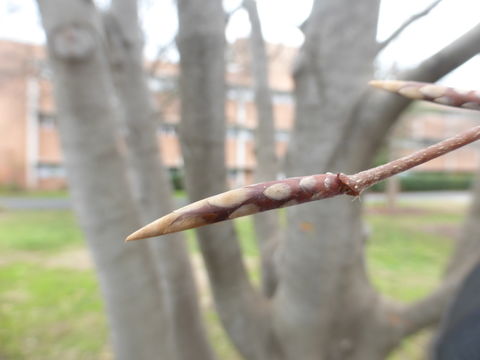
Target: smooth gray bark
x,y
267,225
97,176
244,313
322,261
151,181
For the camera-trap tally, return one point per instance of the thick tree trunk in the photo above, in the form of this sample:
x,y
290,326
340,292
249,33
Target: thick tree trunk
x,y
267,225
323,256
97,178
321,265
321,262
151,180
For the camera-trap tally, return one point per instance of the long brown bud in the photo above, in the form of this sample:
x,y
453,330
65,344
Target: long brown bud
x,y
467,99
269,195
246,200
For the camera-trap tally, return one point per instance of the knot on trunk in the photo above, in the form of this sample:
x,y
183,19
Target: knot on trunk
x,y
73,42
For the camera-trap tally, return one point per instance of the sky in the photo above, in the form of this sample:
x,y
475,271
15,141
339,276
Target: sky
x,y
280,20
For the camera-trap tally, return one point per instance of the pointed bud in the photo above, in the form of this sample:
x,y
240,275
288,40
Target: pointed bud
x,y
246,201
467,99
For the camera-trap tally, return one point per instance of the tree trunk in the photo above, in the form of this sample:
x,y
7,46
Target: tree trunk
x,y
322,261
97,177
151,181
322,264
201,43
267,225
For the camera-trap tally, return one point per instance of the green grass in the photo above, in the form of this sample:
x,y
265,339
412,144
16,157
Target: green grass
x,y
218,336
38,231
406,260
49,312
12,192
407,254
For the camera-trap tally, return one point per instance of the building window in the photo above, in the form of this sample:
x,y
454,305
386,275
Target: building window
x,y
44,69
235,132
162,84
240,93
282,98
46,121
50,170
168,129
282,135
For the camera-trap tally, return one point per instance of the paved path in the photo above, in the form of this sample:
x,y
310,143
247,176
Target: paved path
x,y
462,197
32,203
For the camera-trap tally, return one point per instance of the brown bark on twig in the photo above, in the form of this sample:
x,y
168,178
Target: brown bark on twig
x,y
363,180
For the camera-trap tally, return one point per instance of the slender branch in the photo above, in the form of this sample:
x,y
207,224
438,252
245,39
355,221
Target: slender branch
x,y
162,50
244,313
143,156
292,191
377,112
367,178
406,24
229,14
267,229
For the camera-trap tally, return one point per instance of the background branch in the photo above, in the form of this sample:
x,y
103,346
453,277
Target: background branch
x,y
267,226
201,43
406,24
151,182
377,112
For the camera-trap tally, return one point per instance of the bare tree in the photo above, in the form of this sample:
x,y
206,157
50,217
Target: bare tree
x,y
97,177
322,265
324,306
267,226
151,180
201,43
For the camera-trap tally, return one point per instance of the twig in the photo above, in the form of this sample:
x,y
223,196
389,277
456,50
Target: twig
x,y
162,50
293,191
406,24
363,180
229,14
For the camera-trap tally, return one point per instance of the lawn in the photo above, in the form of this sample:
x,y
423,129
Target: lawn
x,y
49,298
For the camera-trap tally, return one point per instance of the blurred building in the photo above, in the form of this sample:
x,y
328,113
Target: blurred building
x,y
425,124
30,154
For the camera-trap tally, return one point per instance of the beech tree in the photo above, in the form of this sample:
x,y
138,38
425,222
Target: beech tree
x,y
320,303
100,192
